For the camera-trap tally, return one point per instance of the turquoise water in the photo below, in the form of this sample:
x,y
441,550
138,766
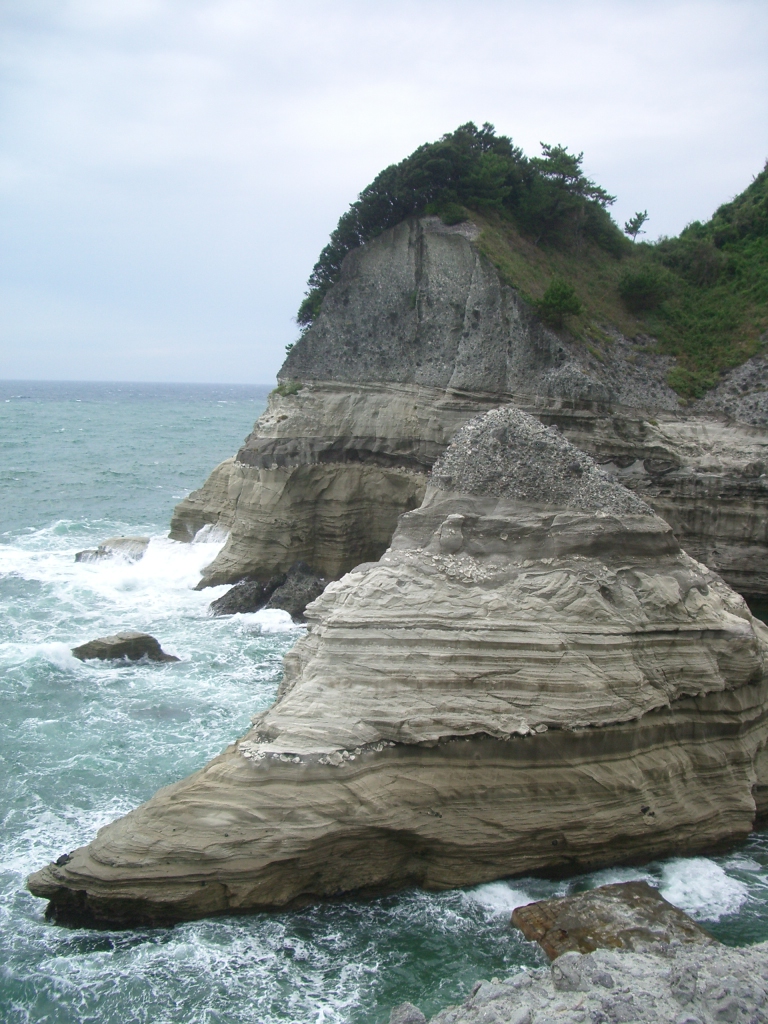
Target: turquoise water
x,y
81,744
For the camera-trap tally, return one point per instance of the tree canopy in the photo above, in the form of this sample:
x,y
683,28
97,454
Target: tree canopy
x,y
549,198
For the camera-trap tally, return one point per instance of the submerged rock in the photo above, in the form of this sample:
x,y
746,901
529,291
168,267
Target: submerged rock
x,y
132,549
533,678
291,592
627,915
127,644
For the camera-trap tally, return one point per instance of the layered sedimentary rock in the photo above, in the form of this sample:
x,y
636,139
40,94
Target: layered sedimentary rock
x,y
421,334
534,677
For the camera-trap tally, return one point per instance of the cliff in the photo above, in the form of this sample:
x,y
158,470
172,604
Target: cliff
x,y
423,331
534,677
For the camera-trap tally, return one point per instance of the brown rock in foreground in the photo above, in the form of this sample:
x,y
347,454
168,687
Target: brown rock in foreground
x,y
628,915
126,644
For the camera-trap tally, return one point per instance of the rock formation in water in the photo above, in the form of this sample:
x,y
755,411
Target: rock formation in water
x,y
127,644
534,677
289,591
421,334
131,549
626,915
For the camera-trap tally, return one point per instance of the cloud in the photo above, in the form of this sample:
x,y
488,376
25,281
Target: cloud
x,y
177,165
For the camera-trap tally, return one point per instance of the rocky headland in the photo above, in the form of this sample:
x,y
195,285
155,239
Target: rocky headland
x,y
533,677
420,334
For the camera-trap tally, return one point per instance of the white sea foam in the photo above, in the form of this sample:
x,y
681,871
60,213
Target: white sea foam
x,y
702,888
499,897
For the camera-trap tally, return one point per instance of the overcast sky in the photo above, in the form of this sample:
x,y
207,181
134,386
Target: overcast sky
x,y
170,169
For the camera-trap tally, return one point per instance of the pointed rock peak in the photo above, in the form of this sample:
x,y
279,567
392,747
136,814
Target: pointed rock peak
x,y
506,453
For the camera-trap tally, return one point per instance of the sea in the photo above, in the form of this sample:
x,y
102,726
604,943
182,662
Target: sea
x,y
81,744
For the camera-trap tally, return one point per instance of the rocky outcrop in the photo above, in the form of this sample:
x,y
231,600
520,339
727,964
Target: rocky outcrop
x,y
420,335
627,915
679,985
131,549
534,677
128,644
290,592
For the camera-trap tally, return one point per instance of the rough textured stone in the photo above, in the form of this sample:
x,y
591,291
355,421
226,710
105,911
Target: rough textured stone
x,y
300,586
132,549
503,656
684,984
407,1013
628,915
127,644
246,597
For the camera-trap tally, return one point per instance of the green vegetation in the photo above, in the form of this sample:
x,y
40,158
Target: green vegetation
x,y
714,311
289,387
547,197
634,226
703,295
558,302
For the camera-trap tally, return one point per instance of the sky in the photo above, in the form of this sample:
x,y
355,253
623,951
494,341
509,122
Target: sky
x,y
170,169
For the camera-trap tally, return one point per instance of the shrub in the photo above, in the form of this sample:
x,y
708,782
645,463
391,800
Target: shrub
x,y
289,387
644,287
559,301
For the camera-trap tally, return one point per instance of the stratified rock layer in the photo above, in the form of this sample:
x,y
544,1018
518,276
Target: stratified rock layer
x,y
533,678
419,335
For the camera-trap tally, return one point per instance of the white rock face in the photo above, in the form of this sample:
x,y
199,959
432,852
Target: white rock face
x,y
533,677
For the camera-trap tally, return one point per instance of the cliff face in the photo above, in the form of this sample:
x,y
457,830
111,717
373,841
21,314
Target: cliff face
x,y
419,335
534,677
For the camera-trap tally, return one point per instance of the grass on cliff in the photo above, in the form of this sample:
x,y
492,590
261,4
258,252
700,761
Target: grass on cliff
x,y
703,295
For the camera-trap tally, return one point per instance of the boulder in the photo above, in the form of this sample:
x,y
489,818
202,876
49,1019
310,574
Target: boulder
x,y
132,549
245,597
300,587
291,592
407,1013
533,678
126,644
627,915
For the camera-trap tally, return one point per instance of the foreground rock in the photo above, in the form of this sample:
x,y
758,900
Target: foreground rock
x,y
684,985
533,678
127,644
628,915
290,592
420,335
131,549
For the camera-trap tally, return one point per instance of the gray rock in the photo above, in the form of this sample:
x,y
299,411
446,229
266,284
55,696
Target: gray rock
x,y
406,1013
131,549
720,984
126,644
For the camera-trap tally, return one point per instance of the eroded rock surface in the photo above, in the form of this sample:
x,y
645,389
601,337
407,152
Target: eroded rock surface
x,y
680,985
420,335
533,677
627,915
291,592
126,644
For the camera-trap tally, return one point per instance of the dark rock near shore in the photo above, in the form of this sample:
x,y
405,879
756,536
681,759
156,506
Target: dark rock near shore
x,y
126,644
628,915
301,586
290,592
132,549
246,597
